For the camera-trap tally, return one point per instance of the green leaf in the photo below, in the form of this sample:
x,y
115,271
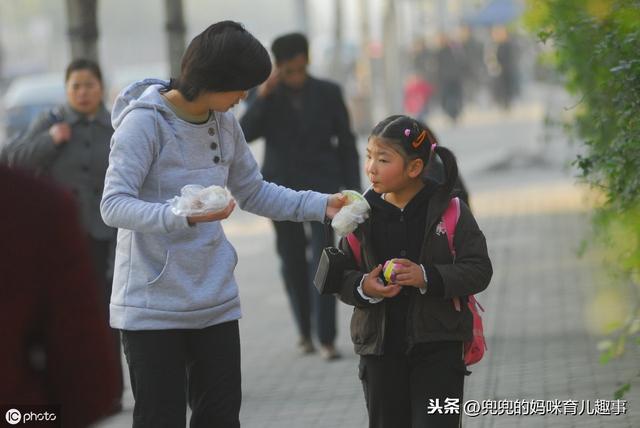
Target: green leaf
x,y
620,392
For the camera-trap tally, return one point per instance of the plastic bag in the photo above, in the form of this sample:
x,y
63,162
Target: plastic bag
x,y
355,212
195,199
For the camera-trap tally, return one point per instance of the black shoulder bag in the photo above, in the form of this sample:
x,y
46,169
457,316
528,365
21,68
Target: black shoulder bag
x,y
331,267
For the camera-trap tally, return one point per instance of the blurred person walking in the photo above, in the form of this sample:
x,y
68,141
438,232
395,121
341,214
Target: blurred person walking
x,y
417,94
450,71
475,69
507,82
309,144
70,144
56,347
175,297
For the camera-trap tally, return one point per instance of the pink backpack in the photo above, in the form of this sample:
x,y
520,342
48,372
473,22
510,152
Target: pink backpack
x,y
475,348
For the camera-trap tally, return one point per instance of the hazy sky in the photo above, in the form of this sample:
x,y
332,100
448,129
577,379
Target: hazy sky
x,y
33,32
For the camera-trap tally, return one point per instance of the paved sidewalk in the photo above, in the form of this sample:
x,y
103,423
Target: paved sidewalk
x,y
539,347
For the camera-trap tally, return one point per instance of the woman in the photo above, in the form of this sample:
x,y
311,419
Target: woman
x,y
70,144
175,297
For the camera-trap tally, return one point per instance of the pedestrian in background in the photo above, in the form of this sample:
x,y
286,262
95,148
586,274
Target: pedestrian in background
x,y
408,332
70,145
56,348
175,297
507,82
450,72
417,94
309,145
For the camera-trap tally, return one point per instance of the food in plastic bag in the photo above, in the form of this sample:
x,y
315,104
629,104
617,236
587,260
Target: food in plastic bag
x,y
195,199
355,211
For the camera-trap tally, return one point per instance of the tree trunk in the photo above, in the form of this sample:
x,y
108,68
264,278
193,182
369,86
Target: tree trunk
x,y
301,16
392,78
362,111
337,66
176,34
83,28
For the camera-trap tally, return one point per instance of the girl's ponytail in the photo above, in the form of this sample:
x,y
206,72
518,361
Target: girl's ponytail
x,y
449,163
450,167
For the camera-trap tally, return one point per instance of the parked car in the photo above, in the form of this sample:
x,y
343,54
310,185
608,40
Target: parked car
x,y
26,97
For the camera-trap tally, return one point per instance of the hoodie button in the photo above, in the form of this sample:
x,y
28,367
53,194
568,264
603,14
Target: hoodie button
x,y
216,159
212,131
214,145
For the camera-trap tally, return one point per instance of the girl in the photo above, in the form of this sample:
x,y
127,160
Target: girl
x,y
408,333
174,295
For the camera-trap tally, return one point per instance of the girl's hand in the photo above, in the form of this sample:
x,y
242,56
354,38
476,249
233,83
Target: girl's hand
x,y
409,274
373,286
336,202
218,215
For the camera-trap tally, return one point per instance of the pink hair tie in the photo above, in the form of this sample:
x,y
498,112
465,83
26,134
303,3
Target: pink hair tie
x,y
407,132
433,147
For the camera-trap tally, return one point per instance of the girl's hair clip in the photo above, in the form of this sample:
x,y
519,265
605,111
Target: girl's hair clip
x,y
407,132
419,140
433,147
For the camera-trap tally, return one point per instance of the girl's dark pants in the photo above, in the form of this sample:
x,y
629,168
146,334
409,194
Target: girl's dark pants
x,y
169,368
398,388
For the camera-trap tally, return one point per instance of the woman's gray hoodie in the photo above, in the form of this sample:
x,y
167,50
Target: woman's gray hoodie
x,y
169,275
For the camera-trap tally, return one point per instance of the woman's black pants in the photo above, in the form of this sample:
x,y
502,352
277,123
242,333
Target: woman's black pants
x,y
169,368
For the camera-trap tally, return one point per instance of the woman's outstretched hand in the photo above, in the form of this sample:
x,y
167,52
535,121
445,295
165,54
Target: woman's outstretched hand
x,y
215,216
336,202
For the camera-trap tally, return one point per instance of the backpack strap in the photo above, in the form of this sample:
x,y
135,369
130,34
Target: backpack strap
x,y
450,219
354,244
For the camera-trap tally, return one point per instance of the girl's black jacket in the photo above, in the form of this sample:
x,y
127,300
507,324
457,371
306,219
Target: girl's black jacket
x,y
432,316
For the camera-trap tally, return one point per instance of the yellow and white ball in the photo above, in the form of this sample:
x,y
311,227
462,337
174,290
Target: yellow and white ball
x,y
389,270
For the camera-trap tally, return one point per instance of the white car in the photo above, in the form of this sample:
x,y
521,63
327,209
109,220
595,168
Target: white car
x,y
27,96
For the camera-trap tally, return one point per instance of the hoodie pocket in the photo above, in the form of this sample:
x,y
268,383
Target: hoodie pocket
x,y
162,271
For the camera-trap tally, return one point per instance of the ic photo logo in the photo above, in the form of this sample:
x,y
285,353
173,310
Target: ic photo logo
x,y
45,415
13,416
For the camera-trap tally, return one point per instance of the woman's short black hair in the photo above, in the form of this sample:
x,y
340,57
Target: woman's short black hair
x,y
224,57
83,64
289,46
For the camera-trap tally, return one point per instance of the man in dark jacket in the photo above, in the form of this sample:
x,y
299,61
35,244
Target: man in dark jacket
x,y
309,145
